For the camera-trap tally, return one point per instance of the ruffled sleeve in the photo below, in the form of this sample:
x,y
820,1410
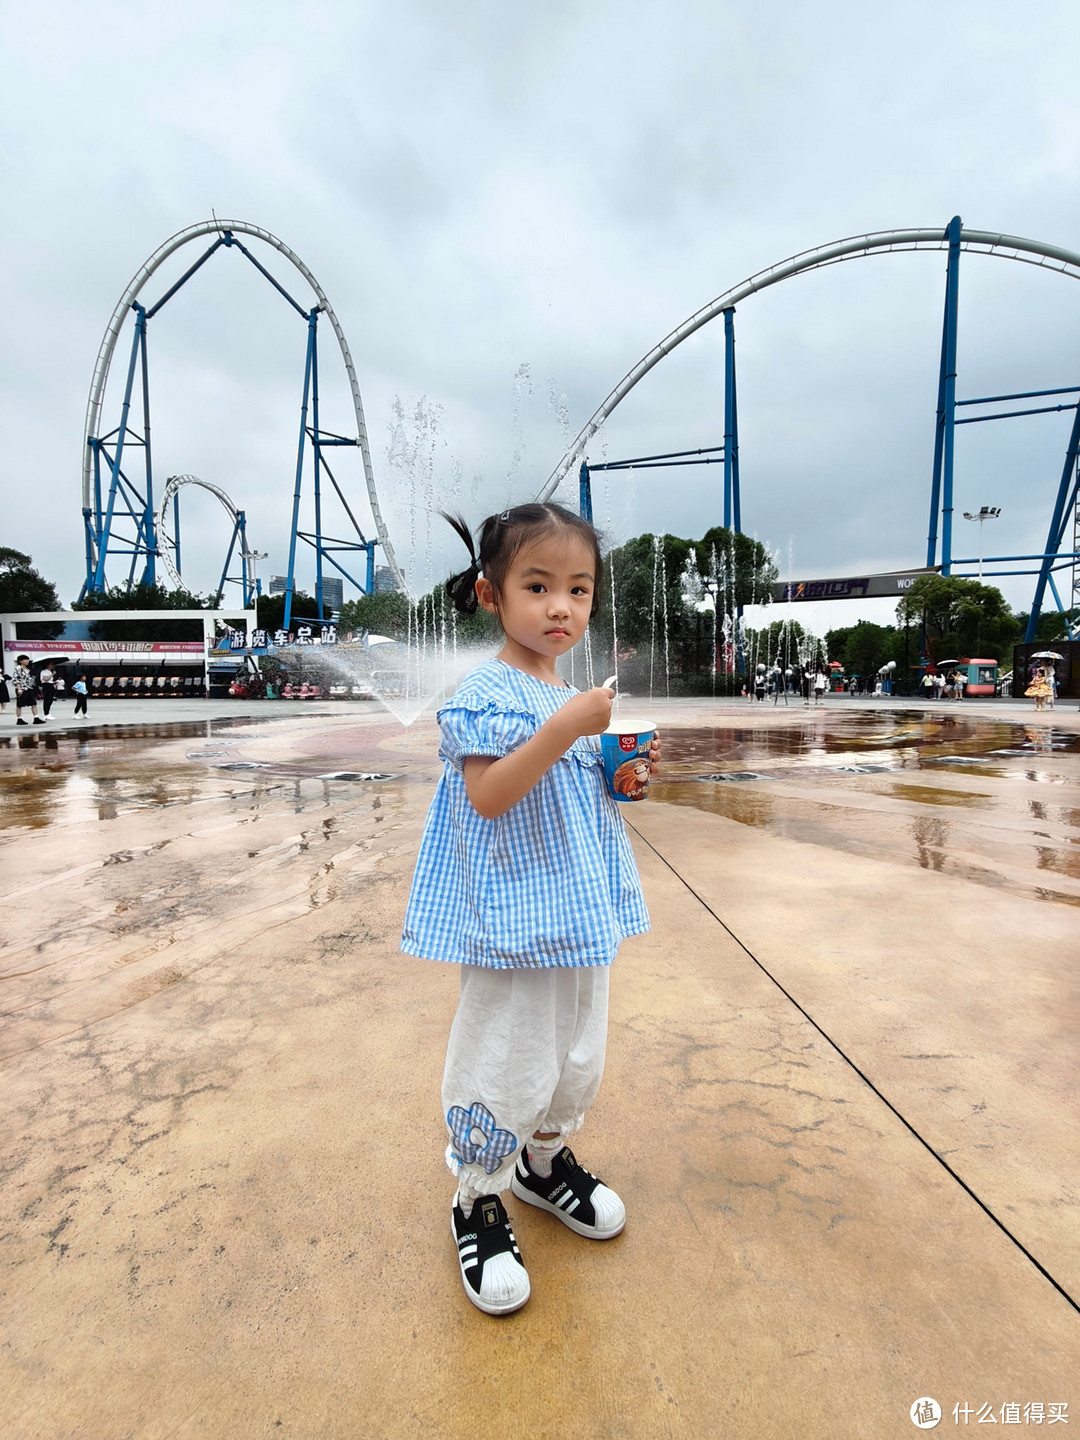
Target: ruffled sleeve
x,y
481,729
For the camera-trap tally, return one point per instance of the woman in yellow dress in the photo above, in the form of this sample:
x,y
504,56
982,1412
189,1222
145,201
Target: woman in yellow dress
x,y
1040,690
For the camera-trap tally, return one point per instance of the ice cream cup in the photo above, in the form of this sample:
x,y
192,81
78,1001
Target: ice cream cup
x,y
624,748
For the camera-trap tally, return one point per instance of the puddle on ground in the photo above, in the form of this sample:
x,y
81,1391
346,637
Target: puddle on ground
x,y
101,773
928,795
859,783
902,760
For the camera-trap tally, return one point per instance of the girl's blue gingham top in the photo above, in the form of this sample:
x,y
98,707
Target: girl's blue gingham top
x,y
551,882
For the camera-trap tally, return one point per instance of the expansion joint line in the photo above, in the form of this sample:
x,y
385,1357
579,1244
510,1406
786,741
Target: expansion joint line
x,y
862,1075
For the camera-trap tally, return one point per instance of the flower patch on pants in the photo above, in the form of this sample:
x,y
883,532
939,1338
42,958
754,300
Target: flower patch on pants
x,y
477,1139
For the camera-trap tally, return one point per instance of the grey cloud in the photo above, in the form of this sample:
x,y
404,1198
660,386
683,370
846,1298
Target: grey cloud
x,y
477,188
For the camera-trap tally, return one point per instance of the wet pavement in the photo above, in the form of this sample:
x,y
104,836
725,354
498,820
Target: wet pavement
x,y
840,1099
862,784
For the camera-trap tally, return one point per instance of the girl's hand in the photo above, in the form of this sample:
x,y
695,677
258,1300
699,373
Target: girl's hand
x,y
493,786
587,713
654,754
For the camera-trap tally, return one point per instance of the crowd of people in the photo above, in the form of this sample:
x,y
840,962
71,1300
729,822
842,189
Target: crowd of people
x,y
943,684
813,683
45,689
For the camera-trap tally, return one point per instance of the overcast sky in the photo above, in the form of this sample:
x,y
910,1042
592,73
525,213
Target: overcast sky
x,y
506,210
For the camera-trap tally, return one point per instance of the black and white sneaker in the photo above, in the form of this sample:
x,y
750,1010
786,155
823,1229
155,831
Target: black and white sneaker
x,y
492,1269
579,1199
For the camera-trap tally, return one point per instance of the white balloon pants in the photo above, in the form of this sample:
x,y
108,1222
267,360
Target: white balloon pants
x,y
526,1054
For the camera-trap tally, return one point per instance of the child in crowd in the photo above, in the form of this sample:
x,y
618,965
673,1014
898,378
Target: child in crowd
x,y
526,879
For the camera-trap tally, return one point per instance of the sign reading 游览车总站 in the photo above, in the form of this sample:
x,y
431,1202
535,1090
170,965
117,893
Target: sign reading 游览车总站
x,y
856,587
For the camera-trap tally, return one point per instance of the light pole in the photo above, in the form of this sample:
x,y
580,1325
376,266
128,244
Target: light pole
x,y
988,512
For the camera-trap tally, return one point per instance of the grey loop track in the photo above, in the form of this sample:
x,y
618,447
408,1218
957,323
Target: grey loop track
x,y
131,293
984,242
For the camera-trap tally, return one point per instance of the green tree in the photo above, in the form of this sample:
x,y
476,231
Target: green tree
x,y
386,613
1052,625
783,641
480,628
959,617
650,576
144,597
21,587
681,572
270,610
867,648
660,583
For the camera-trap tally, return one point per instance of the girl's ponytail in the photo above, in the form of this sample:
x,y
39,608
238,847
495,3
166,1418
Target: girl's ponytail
x,y
461,588
502,537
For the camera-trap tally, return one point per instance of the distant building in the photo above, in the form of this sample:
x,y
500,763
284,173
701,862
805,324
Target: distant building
x,y
278,584
385,583
333,593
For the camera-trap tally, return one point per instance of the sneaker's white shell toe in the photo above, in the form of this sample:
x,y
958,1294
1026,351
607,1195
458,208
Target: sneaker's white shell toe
x,y
609,1209
505,1282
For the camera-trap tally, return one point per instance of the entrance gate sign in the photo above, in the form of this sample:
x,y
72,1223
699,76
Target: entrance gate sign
x,y
895,583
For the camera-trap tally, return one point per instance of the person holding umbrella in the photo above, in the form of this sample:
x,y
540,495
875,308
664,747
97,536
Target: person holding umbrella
x,y
1040,689
1043,687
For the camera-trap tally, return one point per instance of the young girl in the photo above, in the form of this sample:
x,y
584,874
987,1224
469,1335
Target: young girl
x,y
525,879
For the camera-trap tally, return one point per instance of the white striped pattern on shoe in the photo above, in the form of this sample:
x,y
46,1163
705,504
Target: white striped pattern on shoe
x,y
496,1281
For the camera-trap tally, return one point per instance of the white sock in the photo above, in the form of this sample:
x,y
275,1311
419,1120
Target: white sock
x,y
541,1153
464,1205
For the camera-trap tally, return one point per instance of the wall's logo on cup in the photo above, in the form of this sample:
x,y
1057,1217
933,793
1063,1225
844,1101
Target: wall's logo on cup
x,y
625,753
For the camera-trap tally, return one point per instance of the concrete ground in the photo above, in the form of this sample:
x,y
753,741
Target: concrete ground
x,y
840,1101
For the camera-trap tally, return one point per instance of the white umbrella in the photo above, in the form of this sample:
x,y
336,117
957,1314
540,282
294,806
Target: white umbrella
x,y
1047,655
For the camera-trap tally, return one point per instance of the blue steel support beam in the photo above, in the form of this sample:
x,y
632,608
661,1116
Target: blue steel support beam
x,y
1011,414
731,425
290,582
97,488
1020,395
246,587
328,554
636,460
360,543
149,540
942,484
228,562
88,527
585,493
230,239
1002,559
1063,506
1057,597
184,278
98,581
316,455
732,501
